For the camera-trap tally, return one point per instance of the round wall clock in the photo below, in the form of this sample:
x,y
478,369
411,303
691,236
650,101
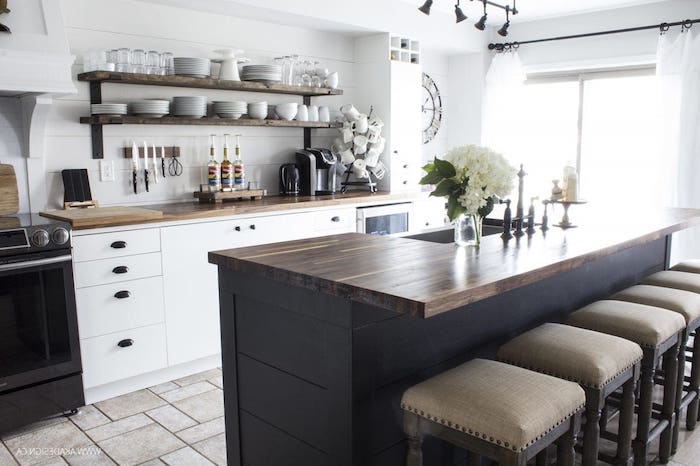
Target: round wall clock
x,y
431,108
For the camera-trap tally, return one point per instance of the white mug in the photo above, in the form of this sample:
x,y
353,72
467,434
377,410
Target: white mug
x,y
313,113
376,121
359,169
361,124
378,170
379,145
350,112
347,133
339,146
360,143
372,157
373,133
347,157
303,113
332,80
324,114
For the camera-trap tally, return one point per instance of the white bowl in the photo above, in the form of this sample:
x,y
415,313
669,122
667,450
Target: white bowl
x,y
257,114
287,111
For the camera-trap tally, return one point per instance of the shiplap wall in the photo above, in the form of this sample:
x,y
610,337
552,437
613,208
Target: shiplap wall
x,y
436,65
10,144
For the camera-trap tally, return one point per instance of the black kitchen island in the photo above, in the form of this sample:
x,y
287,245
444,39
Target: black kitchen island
x,y
320,337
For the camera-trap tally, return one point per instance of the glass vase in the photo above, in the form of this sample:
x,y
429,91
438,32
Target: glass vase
x,y
468,230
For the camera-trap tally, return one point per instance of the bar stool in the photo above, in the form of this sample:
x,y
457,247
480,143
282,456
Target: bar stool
x,y
690,266
496,410
658,331
599,362
687,281
687,304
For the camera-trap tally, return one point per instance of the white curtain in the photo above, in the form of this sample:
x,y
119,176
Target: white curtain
x,y
678,72
504,82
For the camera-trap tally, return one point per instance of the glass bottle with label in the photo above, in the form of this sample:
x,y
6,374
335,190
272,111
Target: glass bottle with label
x,y
213,167
227,173
238,167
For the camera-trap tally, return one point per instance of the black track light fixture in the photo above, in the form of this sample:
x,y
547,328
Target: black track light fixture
x,y
481,24
504,29
426,7
459,14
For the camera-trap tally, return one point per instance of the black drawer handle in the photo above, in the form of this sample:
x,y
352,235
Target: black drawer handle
x,y
405,165
237,228
122,294
118,245
252,227
125,343
335,219
405,182
120,269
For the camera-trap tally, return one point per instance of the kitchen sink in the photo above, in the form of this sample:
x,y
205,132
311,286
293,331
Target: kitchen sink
x,y
447,234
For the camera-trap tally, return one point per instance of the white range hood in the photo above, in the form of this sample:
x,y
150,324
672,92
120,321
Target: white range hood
x,y
35,58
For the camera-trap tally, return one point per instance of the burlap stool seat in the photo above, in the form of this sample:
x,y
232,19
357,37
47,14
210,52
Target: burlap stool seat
x,y
659,332
599,362
687,281
687,304
690,265
493,409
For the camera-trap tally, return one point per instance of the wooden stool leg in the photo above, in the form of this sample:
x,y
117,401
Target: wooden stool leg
x,y
668,411
691,418
624,435
591,431
646,387
541,458
680,377
565,445
411,426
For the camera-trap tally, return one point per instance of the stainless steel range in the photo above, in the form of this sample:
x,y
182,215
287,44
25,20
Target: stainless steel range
x,y
40,368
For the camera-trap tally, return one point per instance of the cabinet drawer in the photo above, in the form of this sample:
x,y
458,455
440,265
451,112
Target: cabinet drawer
x,y
124,243
118,269
120,306
335,221
105,361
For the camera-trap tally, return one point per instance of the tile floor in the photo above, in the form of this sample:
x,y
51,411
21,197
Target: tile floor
x,y
175,423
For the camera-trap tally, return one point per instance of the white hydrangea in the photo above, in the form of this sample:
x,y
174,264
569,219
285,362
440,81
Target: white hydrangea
x,y
489,175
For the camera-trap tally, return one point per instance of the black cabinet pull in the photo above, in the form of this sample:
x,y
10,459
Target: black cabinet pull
x,y
122,294
405,182
335,219
252,227
125,343
237,228
118,245
405,165
120,269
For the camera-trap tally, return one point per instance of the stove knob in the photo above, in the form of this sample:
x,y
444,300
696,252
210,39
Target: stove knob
x,y
40,238
60,236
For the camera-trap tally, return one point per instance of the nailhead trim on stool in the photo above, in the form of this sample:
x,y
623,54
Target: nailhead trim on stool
x,y
659,332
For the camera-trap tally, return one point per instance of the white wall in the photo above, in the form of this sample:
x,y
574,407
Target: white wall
x,y
11,145
436,65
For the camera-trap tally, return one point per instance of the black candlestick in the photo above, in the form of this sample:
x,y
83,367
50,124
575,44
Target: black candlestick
x,y
545,219
519,209
531,217
507,220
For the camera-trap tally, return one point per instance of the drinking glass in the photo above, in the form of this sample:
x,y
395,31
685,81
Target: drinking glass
x,y
166,64
315,78
153,62
123,60
306,73
138,61
113,56
297,70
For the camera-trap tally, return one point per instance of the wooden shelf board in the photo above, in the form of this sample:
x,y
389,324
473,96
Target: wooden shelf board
x,y
203,83
133,120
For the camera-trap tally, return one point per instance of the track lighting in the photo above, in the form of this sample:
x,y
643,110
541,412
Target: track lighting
x,y
426,7
481,25
459,14
504,29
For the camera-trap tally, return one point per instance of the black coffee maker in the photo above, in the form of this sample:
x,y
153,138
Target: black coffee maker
x,y
289,180
317,171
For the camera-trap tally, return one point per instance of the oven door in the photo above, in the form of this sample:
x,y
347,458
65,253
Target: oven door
x,y
384,220
38,323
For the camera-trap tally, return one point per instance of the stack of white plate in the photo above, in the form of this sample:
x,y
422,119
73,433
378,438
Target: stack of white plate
x,y
108,109
264,73
232,110
192,66
190,106
151,108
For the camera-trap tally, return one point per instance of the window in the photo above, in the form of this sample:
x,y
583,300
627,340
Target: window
x,y
605,123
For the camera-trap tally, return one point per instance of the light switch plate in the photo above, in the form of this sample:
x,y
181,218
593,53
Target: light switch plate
x,y
106,170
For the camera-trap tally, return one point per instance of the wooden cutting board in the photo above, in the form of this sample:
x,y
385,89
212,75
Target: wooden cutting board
x,y
9,196
103,216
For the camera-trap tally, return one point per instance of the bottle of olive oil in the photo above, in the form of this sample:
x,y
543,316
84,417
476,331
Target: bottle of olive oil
x,y
238,167
213,167
227,173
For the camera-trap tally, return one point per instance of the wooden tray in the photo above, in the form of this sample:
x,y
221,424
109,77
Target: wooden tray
x,y
103,216
247,194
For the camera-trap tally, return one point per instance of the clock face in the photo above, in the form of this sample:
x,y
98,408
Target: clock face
x,y
431,108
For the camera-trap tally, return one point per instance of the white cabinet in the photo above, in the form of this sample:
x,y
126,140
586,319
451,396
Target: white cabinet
x,y
393,89
429,213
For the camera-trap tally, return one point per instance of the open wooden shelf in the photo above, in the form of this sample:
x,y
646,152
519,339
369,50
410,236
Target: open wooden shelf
x,y
203,83
134,120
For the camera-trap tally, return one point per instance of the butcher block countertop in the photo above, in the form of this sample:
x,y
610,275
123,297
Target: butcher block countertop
x,y
120,216
426,279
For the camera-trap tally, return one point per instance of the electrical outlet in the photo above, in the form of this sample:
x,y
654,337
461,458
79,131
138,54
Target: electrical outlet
x,y
106,170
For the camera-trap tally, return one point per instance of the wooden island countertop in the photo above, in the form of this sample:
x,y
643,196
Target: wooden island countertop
x,y
425,279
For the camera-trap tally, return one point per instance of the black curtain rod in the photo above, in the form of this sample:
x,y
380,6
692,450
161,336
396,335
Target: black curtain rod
x,y
662,26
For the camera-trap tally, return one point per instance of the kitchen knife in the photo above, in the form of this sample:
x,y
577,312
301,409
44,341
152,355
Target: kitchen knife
x,y
155,165
145,165
162,159
135,166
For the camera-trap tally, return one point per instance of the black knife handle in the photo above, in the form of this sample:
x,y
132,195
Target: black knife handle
x,y
162,166
146,179
135,181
